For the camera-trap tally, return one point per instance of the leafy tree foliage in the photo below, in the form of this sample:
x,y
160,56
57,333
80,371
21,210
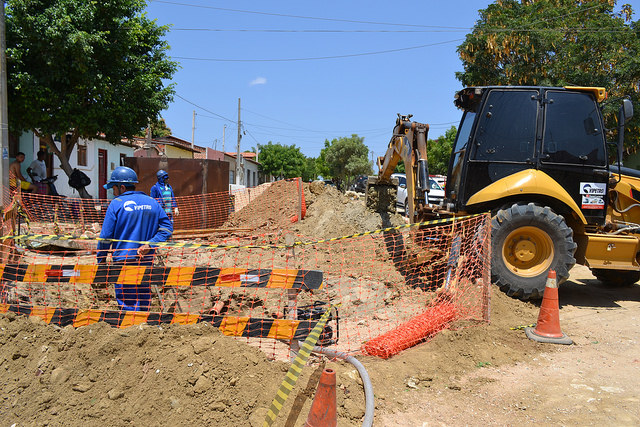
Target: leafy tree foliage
x,y
281,161
439,152
159,129
83,69
310,173
346,158
322,168
556,43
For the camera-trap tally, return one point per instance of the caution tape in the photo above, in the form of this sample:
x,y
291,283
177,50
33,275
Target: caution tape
x,y
518,328
295,370
54,237
164,276
236,326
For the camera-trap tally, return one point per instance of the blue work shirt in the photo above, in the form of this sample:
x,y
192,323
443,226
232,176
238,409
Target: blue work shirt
x,y
133,216
163,193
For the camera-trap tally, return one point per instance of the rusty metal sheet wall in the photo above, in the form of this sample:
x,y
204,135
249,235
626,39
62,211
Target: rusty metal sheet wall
x,y
189,177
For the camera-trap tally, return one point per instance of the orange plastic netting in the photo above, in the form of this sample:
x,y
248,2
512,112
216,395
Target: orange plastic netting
x,y
249,275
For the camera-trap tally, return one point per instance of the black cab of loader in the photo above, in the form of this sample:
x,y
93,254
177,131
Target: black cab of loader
x,y
537,159
506,130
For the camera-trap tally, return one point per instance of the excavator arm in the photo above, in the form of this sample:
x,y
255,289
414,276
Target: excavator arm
x,y
409,144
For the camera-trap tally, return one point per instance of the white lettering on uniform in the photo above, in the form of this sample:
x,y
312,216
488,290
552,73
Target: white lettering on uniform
x,y
130,206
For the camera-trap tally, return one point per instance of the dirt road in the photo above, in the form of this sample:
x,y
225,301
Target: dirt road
x,y
593,382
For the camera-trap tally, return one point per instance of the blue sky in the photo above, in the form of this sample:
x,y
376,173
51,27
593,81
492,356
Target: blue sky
x,y
380,58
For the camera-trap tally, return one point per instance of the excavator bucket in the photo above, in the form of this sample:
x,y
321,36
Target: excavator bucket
x,y
382,196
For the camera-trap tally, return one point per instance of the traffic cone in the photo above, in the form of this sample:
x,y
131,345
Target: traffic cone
x,y
323,408
548,326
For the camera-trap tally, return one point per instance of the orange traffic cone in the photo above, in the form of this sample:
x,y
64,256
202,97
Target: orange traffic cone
x,y
323,408
548,327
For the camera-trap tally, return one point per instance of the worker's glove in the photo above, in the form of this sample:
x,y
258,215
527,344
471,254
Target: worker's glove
x,y
176,212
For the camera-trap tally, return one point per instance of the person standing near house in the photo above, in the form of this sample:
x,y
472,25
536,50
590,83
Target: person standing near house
x,y
132,216
163,193
37,170
15,175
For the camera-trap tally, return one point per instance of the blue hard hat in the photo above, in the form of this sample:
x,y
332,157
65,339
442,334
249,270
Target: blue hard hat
x,y
122,175
161,174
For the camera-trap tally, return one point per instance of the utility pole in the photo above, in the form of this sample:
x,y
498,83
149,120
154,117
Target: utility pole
x,y
193,128
238,155
224,129
4,112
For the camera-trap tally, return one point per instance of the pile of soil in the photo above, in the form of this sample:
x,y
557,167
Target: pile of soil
x,y
180,375
271,211
329,213
332,214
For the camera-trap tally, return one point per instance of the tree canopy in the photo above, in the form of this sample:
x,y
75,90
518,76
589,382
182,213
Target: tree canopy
x,y
83,69
281,161
556,43
346,158
439,152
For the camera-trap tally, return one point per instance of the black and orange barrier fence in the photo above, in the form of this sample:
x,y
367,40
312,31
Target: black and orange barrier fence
x,y
266,289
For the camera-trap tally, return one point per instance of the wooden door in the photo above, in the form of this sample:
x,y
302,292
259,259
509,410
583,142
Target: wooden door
x,y
102,173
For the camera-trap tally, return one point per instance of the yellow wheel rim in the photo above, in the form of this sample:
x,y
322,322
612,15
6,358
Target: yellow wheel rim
x,y
528,251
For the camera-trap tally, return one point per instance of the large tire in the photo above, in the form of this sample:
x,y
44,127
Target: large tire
x,y
616,277
527,242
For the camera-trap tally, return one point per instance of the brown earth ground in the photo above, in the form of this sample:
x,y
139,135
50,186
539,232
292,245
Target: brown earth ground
x,y
192,375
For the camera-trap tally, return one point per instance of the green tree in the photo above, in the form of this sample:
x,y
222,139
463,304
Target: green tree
x,y
281,161
556,43
310,171
84,68
159,129
347,158
322,168
439,152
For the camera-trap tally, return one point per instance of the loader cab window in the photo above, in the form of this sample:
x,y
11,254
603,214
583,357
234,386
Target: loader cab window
x,y
573,131
506,127
459,150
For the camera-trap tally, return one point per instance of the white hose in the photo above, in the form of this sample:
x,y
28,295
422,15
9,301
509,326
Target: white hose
x,y
366,381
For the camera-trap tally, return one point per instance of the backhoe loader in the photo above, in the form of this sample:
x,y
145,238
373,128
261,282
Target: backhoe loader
x,y
537,159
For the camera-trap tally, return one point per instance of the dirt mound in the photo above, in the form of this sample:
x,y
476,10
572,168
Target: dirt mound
x,y
194,375
270,211
332,214
170,375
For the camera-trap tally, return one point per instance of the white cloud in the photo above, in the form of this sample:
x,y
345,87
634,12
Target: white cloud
x,y
258,81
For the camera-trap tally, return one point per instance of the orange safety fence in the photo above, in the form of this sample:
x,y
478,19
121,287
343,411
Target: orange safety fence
x,y
268,289
199,214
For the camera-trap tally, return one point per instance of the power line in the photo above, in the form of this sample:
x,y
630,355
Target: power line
x,y
282,15
204,109
247,30
319,57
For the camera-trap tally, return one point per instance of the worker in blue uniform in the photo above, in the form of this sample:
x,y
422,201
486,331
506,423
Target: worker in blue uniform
x,y
132,216
163,193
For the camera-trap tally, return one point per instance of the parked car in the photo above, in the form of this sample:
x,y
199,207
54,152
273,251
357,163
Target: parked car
x,y
440,179
360,186
436,193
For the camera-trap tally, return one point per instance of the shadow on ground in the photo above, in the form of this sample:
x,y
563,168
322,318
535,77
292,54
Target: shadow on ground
x,y
590,292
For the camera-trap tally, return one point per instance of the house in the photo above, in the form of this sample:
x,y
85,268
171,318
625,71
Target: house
x,y
170,147
95,157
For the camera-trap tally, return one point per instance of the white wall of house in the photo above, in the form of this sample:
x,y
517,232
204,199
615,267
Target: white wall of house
x,y
32,144
248,171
